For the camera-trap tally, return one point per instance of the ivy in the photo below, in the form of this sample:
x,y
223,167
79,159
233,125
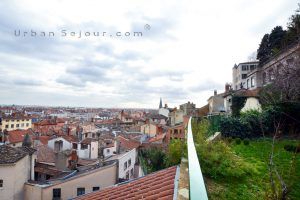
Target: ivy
x,y
238,103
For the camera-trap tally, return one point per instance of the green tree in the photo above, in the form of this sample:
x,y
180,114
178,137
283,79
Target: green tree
x,y
276,39
264,50
176,149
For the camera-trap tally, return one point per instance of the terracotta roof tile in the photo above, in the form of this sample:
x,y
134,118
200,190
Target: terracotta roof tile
x,y
158,185
18,135
45,154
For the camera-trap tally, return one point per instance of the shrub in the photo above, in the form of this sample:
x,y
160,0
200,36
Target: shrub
x,y
246,141
234,127
238,141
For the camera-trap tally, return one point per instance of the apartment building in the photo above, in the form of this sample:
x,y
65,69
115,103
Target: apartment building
x,y
14,122
240,77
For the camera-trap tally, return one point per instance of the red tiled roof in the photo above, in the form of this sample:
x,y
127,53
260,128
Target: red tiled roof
x,y
43,139
157,138
127,143
45,154
18,135
158,185
70,138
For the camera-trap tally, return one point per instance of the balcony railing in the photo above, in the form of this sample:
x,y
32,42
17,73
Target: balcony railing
x,y
196,182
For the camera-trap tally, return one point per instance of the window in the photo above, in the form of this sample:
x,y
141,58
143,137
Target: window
x,y
22,125
12,126
252,81
129,162
131,172
6,126
127,175
244,76
74,145
27,124
96,188
125,166
80,191
107,150
248,83
84,146
252,67
58,145
1,183
17,125
56,194
244,67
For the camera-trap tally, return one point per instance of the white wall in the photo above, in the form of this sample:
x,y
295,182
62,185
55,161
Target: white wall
x,y
252,103
66,144
94,150
111,150
164,112
90,153
124,158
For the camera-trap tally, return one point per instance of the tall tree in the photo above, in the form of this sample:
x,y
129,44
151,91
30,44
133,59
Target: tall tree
x,y
264,51
293,28
276,39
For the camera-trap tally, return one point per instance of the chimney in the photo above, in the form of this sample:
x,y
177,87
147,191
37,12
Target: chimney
x,y
215,93
61,161
227,87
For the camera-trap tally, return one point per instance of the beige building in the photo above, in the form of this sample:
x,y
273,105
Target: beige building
x,y
11,123
216,103
149,129
82,182
16,168
176,117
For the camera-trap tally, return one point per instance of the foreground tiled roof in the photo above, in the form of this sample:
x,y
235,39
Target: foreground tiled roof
x,y
9,155
159,186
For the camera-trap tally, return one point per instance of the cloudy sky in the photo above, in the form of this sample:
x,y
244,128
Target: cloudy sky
x,y
187,49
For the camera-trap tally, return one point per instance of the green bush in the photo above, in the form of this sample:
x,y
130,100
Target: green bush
x,y
246,141
238,141
234,127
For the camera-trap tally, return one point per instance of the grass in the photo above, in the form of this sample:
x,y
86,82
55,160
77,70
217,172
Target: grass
x,y
256,186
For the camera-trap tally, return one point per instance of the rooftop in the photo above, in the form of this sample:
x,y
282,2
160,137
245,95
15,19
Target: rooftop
x,y
10,155
159,185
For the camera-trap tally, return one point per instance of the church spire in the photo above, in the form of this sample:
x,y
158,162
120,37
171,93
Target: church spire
x,y
160,103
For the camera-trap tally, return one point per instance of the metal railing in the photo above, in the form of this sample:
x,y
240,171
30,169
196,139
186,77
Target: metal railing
x,y
196,182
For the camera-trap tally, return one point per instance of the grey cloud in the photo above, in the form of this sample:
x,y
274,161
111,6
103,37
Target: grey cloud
x,y
27,82
206,86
